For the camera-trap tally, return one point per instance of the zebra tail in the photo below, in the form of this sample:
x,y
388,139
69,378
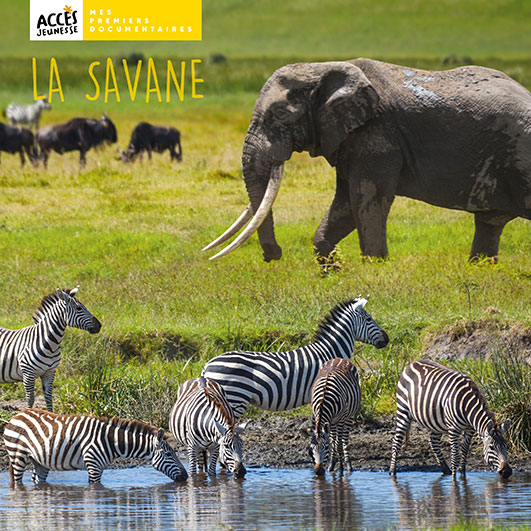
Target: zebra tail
x,y
406,439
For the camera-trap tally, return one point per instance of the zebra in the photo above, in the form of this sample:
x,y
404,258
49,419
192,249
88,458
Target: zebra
x,y
202,420
35,351
336,398
26,114
447,401
278,381
82,442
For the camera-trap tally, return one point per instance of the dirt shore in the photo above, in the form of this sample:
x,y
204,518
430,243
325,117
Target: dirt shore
x,y
276,441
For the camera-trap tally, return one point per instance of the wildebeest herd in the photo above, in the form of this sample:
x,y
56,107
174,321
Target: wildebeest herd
x,y
79,134
206,411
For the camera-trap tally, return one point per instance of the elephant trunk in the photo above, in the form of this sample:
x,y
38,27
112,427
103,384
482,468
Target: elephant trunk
x,y
262,174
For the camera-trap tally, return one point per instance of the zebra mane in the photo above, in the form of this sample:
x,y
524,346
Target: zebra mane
x,y
220,406
325,325
479,395
47,302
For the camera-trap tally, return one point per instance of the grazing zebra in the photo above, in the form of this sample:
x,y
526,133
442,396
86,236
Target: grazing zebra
x,y
81,442
35,351
278,381
26,114
446,401
202,420
336,397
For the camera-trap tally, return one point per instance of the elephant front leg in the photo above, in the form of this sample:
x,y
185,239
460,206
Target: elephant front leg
x,y
489,227
336,224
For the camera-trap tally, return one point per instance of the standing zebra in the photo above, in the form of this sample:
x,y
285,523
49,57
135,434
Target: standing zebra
x,y
80,442
35,351
336,398
202,420
26,114
446,401
278,381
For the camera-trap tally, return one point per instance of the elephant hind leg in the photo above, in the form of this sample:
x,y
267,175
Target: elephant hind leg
x,y
489,227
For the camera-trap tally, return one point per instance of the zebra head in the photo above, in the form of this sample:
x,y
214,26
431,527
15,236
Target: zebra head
x,y
76,315
230,449
495,448
43,104
319,447
364,327
165,459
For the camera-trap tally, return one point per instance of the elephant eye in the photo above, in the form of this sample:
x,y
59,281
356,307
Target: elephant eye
x,y
281,113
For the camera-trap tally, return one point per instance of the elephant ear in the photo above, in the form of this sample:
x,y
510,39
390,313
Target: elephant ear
x,y
343,100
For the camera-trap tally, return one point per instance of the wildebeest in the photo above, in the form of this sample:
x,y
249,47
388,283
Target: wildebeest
x,y
147,137
16,139
78,134
26,114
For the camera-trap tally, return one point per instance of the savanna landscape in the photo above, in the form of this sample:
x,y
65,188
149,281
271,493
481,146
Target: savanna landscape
x,y
130,235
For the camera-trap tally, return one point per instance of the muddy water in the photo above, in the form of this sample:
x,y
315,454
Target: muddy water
x,y
141,498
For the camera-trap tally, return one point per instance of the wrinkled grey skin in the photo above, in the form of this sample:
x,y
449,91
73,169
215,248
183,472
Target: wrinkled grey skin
x,y
458,139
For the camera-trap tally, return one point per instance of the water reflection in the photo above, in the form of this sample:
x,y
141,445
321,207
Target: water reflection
x,y
335,504
446,501
265,499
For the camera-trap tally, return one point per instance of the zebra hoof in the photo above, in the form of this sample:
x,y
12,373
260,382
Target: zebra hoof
x,y
446,470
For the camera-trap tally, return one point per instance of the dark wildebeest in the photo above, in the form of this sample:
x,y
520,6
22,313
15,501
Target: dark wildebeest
x,y
147,137
16,139
78,134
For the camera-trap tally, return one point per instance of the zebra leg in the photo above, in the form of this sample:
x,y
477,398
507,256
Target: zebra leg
x,y
47,387
454,447
334,449
345,435
17,467
403,423
435,443
465,446
192,460
40,472
214,454
28,379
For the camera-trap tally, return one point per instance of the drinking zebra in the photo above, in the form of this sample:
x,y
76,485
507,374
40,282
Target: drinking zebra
x,y
336,398
202,420
26,114
35,351
80,442
446,401
278,381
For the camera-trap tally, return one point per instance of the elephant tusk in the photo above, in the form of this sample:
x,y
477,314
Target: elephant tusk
x,y
245,216
271,192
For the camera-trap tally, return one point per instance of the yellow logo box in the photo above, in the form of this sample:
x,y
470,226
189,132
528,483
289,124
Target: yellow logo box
x,y
140,20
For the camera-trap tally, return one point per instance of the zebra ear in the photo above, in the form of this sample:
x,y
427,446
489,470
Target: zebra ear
x,y
222,431
62,294
241,427
74,291
505,426
360,303
160,435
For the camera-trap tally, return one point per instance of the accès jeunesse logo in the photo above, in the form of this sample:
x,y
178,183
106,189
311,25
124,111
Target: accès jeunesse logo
x,y
63,23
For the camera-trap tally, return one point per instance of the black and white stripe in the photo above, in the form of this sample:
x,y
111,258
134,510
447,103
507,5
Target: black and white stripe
x,y
35,351
26,114
446,401
80,442
336,398
278,381
202,420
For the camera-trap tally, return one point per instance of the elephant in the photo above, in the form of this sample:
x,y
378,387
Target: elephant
x,y
458,139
